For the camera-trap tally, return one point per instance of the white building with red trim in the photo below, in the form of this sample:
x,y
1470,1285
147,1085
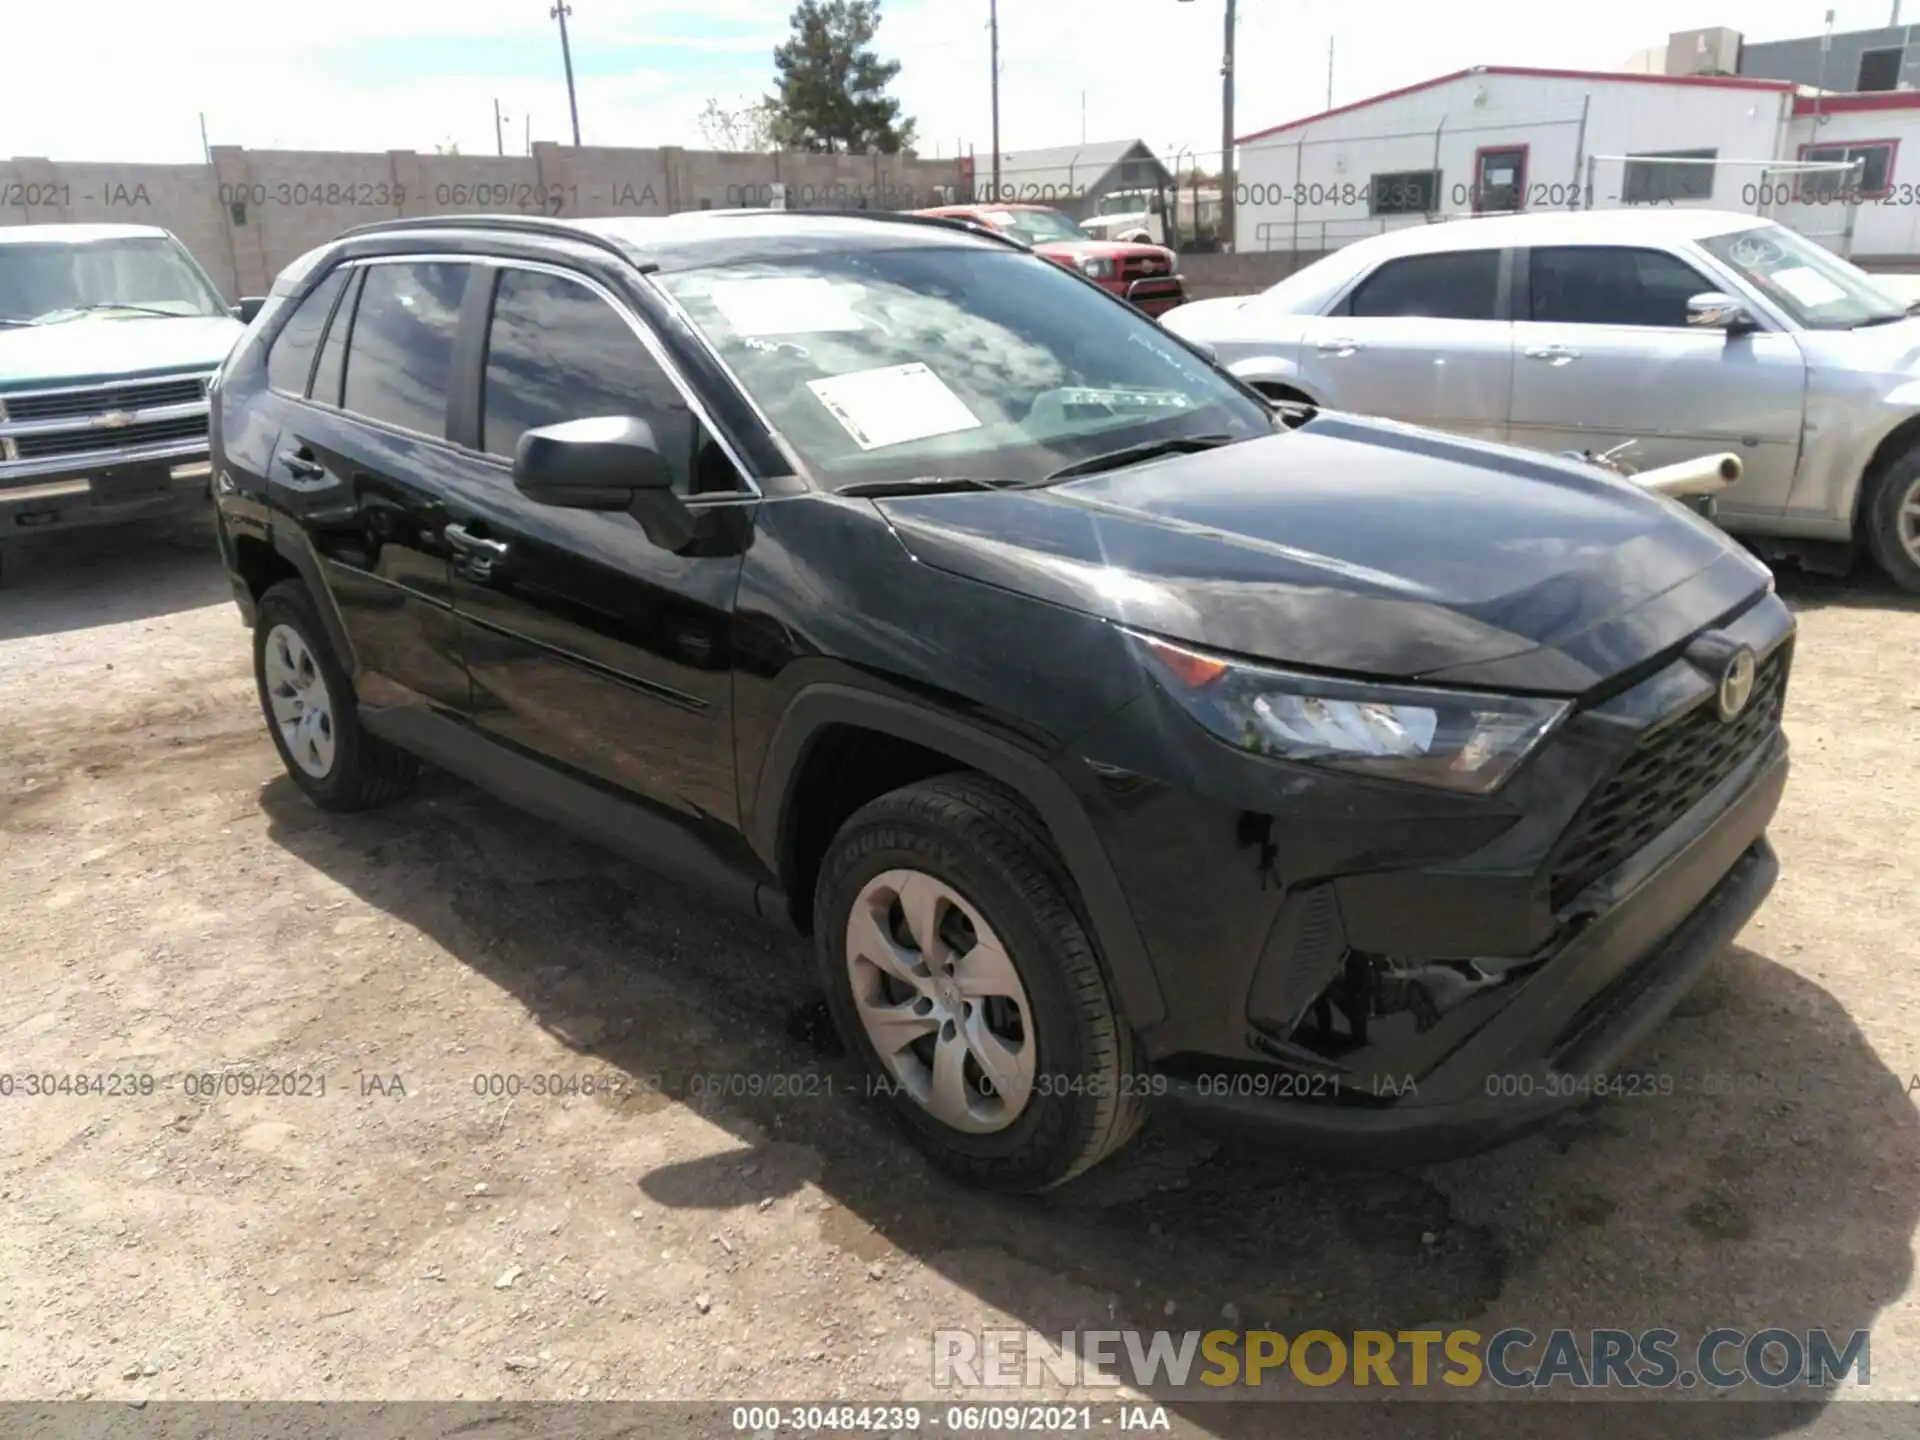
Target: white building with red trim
x,y
1499,138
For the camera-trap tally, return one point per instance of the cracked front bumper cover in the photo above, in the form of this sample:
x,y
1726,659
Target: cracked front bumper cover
x,y
1557,1043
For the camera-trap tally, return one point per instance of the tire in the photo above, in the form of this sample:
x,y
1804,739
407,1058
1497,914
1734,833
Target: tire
x,y
1293,421
1893,520
337,763
976,842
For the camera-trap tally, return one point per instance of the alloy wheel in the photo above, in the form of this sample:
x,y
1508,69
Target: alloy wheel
x,y
1906,520
302,707
941,1001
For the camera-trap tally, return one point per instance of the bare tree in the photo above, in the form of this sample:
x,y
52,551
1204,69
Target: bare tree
x,y
748,126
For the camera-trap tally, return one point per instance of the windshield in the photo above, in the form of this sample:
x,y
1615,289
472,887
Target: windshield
x,y
1810,283
888,365
1125,202
1034,227
55,281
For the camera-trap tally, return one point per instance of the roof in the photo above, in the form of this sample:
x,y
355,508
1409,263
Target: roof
x,y
1059,171
76,234
1723,82
1559,227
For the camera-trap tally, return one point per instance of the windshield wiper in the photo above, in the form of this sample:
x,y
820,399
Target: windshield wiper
x,y
1133,454
9,320
923,485
1883,319
109,305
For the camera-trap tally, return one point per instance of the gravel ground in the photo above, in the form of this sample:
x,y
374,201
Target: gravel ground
x,y
173,908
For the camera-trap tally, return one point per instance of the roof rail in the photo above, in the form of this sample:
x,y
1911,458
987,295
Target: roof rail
x,y
566,230
897,217
524,224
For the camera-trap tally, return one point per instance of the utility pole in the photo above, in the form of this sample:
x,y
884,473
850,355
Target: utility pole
x,y
1329,72
1226,134
1227,216
560,13
499,136
993,24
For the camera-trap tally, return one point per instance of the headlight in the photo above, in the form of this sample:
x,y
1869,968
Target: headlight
x,y
1096,268
1452,739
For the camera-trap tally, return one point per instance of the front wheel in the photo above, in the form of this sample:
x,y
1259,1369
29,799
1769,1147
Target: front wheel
x,y
1893,520
959,974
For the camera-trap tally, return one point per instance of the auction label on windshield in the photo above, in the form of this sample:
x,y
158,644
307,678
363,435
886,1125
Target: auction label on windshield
x,y
784,306
892,406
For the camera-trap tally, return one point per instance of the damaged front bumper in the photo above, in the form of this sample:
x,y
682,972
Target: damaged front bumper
x,y
1553,1045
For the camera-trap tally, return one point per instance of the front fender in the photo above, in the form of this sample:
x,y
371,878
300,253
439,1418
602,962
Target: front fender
x,y
1109,915
1272,370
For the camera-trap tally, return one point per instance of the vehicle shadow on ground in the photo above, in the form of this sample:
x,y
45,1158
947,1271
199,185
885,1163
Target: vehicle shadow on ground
x,y
1787,1205
85,578
1865,589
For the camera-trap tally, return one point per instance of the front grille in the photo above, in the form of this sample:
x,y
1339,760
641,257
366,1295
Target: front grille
x,y
67,404
1665,775
82,442
1137,267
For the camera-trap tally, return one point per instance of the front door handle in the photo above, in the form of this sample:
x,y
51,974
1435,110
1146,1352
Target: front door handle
x,y
1552,354
300,463
466,542
1340,347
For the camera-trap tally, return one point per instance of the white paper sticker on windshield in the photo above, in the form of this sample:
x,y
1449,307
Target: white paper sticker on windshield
x,y
1807,285
892,406
786,306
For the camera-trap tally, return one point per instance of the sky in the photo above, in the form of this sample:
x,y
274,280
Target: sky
x,y
122,82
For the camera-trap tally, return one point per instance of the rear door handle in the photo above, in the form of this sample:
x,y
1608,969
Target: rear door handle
x,y
1556,354
302,464
466,542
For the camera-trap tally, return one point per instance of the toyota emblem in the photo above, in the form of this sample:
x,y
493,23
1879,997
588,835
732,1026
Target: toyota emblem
x,y
1736,684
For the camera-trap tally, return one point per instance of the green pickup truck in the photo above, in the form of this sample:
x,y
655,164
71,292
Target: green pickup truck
x,y
109,335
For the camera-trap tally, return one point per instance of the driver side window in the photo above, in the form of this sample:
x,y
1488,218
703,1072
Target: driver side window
x,y
557,351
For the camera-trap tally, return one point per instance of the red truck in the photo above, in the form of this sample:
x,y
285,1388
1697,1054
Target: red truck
x,y
1143,275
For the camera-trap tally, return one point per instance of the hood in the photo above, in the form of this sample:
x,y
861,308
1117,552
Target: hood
x,y
1206,316
1361,547
1880,349
97,348
1105,250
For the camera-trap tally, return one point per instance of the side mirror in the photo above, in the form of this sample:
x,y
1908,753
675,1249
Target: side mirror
x,y
607,463
248,308
1715,311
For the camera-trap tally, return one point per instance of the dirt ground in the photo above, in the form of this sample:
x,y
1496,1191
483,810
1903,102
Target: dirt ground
x,y
170,907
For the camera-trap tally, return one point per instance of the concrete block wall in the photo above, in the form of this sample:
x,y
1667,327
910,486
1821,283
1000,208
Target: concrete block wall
x,y
251,212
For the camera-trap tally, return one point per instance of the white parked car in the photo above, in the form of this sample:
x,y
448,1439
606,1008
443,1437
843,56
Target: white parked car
x,y
1685,331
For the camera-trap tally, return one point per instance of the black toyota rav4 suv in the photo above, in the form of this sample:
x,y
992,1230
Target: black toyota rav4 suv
x,y
1111,739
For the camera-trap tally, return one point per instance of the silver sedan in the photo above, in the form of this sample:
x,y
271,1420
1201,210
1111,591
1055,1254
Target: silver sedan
x,y
1683,331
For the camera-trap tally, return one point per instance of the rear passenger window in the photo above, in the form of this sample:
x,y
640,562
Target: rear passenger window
x,y
557,351
332,367
400,354
291,359
1610,285
1456,285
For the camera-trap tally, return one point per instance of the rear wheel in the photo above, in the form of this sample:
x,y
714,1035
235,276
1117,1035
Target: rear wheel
x,y
959,974
1893,520
309,706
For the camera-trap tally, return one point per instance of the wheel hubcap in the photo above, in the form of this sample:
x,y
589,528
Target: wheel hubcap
x,y
941,1001
297,694
1907,521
